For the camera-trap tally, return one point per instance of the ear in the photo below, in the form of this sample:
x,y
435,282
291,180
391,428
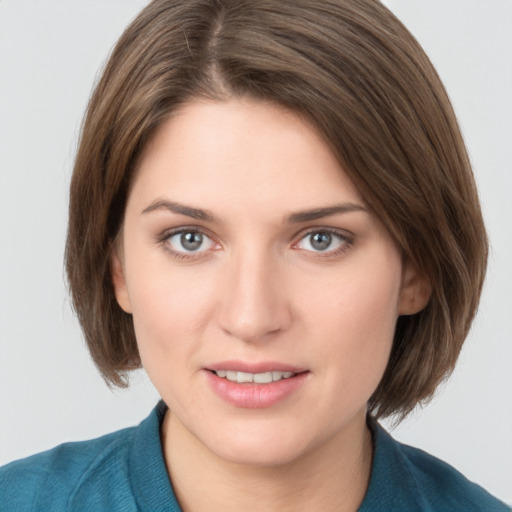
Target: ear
x,y
119,281
415,293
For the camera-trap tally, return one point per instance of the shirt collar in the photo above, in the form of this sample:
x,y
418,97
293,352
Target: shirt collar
x,y
148,473
392,485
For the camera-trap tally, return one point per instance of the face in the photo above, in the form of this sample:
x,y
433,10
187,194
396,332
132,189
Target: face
x,y
264,294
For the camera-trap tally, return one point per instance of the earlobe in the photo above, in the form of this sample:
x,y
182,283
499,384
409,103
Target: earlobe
x,y
119,282
415,293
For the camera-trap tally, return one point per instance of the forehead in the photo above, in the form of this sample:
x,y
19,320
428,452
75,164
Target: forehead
x,y
240,154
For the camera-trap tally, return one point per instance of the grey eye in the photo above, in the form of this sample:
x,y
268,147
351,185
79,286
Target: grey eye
x,y
320,241
189,241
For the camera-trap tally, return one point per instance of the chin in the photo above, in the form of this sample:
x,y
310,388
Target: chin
x,y
259,448
260,456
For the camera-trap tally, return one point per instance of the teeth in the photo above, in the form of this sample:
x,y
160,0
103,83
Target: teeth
x,y
258,378
281,375
244,377
264,378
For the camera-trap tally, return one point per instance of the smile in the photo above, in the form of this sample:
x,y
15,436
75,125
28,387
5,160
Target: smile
x,y
256,378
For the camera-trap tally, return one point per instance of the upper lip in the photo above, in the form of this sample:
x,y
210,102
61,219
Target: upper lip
x,y
255,367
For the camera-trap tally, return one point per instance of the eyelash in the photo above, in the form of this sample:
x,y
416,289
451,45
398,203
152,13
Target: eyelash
x,y
183,255
346,243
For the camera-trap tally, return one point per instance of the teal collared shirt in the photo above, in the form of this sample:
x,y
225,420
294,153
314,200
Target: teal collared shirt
x,y
126,471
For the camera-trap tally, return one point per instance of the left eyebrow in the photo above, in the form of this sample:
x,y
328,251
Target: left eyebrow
x,y
320,213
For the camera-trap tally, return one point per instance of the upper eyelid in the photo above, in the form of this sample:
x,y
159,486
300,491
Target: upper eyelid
x,y
345,244
339,231
347,240
297,237
164,238
343,233
167,233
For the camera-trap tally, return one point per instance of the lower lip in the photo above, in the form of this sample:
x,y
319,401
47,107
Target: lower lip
x,y
255,396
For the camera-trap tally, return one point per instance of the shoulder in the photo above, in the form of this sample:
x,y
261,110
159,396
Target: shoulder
x,y
120,471
406,478
54,476
444,487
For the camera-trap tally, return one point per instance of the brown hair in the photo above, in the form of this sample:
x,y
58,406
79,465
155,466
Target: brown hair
x,y
353,70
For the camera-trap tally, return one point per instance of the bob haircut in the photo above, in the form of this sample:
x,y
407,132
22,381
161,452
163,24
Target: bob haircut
x,y
355,73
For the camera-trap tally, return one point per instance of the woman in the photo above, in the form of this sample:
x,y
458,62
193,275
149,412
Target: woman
x,y
273,212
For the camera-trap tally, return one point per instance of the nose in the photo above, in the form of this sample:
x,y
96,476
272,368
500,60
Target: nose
x,y
254,303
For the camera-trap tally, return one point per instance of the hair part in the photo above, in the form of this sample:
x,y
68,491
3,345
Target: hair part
x,y
356,73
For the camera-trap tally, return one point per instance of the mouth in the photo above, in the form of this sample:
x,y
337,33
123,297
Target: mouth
x,y
254,378
255,385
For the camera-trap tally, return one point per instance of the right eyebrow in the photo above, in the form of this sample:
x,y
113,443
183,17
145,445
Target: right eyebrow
x,y
171,206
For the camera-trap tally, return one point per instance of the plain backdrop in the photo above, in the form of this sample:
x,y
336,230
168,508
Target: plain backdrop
x,y
50,53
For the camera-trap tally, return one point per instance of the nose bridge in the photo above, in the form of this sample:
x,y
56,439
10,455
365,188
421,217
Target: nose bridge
x,y
254,302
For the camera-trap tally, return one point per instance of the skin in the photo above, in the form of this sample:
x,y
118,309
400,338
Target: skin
x,y
258,289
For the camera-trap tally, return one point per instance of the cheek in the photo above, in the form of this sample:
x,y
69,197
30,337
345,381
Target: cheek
x,y
170,311
356,315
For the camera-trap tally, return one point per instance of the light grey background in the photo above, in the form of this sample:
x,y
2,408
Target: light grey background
x,y
50,52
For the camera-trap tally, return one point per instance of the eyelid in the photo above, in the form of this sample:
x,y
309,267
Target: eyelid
x,y
167,234
347,240
343,233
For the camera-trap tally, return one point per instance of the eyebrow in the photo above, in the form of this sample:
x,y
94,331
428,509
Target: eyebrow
x,y
320,213
293,218
195,213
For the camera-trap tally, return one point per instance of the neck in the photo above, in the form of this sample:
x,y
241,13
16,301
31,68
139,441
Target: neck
x,y
334,476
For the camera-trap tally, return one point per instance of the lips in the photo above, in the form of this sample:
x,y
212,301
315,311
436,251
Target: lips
x,y
261,367
257,378
255,385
